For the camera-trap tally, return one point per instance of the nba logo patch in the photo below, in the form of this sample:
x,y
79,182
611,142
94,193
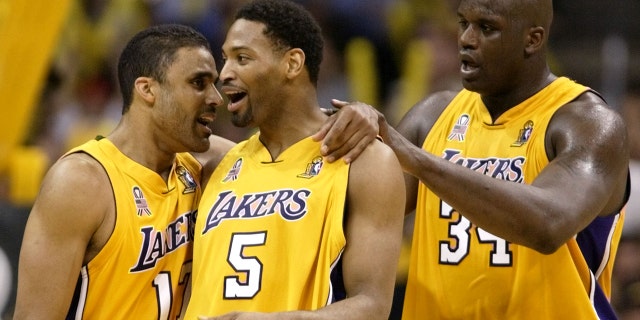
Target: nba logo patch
x,y
459,129
524,135
233,173
141,202
313,168
186,179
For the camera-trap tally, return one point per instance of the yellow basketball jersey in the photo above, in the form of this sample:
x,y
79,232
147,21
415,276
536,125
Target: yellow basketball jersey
x,y
269,234
459,271
144,269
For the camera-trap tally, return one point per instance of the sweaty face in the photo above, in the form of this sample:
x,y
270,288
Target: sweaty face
x,y
491,46
252,73
185,102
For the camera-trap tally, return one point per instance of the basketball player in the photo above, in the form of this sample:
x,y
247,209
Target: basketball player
x,y
281,233
523,178
110,234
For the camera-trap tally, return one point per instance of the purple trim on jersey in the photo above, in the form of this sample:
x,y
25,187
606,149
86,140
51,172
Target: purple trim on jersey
x,y
602,305
593,242
594,239
72,314
337,282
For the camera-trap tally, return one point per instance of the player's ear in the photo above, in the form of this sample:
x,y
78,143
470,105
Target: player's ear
x,y
535,40
143,87
294,59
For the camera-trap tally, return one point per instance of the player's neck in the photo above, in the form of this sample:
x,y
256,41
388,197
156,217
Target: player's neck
x,y
277,136
143,149
499,104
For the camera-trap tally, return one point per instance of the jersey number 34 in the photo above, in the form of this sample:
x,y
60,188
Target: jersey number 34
x,y
455,249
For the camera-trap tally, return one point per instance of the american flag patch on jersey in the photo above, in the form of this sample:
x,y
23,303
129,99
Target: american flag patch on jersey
x,y
459,129
141,202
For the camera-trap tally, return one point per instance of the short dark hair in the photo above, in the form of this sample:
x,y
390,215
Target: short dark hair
x,y
150,53
288,25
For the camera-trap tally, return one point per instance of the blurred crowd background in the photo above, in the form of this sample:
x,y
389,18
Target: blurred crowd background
x,y
58,84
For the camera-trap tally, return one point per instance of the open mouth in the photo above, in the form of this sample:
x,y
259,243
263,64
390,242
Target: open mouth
x,y
467,64
206,119
468,68
234,97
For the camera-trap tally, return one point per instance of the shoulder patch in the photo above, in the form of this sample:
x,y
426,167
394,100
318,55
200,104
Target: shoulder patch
x,y
187,180
524,135
313,168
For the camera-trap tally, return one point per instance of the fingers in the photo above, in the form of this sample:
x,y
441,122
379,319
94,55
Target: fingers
x,y
336,134
338,103
329,126
351,149
348,132
334,145
323,130
329,111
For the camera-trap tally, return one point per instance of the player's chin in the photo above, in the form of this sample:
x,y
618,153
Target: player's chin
x,y
242,119
201,145
473,84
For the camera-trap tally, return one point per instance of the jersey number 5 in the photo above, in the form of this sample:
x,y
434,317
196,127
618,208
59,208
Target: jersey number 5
x,y
249,266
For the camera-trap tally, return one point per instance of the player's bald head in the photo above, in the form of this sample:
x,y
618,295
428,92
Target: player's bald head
x,y
532,13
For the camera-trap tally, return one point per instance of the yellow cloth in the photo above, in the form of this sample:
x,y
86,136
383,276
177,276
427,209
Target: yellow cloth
x,y
269,233
29,31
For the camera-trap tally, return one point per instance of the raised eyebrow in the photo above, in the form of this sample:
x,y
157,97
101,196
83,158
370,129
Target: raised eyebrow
x,y
235,49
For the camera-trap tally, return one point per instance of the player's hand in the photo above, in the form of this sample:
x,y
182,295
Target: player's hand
x,y
349,131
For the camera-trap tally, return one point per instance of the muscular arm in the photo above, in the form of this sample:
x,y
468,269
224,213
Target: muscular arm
x,y
71,219
374,236
585,178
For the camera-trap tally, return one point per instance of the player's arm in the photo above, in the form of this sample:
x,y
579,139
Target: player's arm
x,y
586,177
375,216
211,158
60,235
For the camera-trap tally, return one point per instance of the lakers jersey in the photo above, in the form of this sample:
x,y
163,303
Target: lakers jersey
x,y
143,270
460,271
269,234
